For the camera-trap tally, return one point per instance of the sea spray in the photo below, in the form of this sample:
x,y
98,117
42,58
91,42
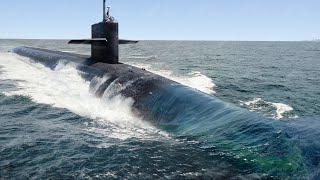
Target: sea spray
x,y
64,88
194,79
276,111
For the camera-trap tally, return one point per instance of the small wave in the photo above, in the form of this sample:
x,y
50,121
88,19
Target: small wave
x,y
281,109
194,79
64,88
140,56
137,54
70,51
275,110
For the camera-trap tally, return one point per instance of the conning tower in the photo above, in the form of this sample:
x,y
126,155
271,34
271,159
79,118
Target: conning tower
x,y
108,29
105,39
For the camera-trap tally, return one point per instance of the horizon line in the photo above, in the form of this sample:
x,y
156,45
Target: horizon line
x,y
170,40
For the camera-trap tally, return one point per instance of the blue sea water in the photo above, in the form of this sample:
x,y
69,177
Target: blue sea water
x,y
51,126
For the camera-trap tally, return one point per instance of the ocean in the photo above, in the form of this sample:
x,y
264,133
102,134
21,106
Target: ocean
x,y
53,127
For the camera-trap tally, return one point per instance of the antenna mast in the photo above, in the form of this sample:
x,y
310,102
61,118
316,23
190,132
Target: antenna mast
x,y
104,10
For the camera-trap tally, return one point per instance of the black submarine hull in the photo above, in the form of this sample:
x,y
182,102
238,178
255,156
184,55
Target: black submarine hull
x,y
162,99
187,112
127,80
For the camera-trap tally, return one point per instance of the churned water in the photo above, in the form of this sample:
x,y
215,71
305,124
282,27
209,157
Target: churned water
x,y
51,126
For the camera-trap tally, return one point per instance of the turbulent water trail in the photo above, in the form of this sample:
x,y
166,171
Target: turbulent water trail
x,y
205,84
274,110
193,79
64,88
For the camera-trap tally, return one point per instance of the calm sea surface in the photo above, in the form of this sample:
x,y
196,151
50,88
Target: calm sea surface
x,y
51,126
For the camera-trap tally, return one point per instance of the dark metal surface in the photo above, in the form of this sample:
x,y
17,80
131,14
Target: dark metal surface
x,y
102,41
143,82
110,52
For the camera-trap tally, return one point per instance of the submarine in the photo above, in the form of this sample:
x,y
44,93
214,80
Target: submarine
x,y
124,79
264,145
104,61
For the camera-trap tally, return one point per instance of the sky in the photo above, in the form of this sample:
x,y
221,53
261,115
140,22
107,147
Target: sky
x,y
243,20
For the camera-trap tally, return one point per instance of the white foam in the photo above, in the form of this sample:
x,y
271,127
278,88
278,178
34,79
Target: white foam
x,y
253,103
64,88
98,81
69,51
194,79
281,109
278,111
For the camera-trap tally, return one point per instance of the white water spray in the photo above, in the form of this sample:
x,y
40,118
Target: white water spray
x,y
258,104
64,88
194,79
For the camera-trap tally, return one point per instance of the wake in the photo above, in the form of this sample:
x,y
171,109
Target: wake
x,y
64,88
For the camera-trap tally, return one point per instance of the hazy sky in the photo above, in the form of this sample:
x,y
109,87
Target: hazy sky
x,y
164,19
